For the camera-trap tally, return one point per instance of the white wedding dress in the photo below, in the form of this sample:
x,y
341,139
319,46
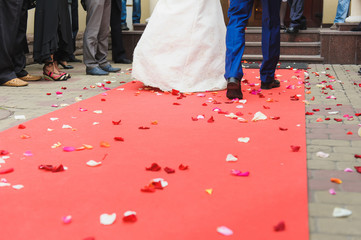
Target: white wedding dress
x,y
183,47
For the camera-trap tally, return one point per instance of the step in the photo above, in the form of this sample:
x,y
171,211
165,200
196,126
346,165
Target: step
x,y
139,26
287,48
288,58
254,34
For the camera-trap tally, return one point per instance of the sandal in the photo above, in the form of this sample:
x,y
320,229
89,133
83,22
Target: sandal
x,y
51,76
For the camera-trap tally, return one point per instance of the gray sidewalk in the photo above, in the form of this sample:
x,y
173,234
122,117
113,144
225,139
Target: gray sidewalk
x,y
328,136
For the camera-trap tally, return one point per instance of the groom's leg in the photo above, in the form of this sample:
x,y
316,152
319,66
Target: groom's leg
x,y
270,38
238,13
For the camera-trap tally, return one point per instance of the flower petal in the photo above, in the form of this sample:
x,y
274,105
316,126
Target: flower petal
x,y
224,231
93,163
108,219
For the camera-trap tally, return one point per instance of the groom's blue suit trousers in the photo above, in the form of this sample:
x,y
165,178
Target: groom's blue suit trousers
x,y
239,13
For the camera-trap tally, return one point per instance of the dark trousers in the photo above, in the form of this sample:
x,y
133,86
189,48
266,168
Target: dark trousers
x,y
9,24
296,13
74,23
239,13
118,51
19,59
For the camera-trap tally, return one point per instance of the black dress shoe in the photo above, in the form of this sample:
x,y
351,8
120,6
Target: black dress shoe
x,y
292,30
270,85
234,88
124,27
123,60
67,66
283,27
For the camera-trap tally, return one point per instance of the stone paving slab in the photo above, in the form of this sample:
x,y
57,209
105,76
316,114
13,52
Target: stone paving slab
x,y
328,136
334,138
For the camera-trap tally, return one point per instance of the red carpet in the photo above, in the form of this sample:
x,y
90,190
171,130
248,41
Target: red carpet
x,y
275,190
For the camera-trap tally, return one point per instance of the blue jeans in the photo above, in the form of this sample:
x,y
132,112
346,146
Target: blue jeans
x,y
239,13
136,11
342,10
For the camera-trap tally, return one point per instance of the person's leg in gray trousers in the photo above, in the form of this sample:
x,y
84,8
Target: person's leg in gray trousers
x,y
96,33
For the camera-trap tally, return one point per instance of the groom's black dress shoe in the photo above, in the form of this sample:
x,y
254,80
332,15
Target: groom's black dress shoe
x,y
234,88
270,85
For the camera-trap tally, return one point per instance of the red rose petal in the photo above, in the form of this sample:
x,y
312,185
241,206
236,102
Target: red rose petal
x,y
265,107
116,122
358,114
52,168
119,139
194,119
130,218
357,156
4,152
157,185
144,127
8,170
316,110
211,120
327,108
154,167
295,148
309,113
21,126
183,167
281,226
338,119
204,104
349,133
148,189
327,119
358,168
275,118
177,104
175,92
283,129
169,170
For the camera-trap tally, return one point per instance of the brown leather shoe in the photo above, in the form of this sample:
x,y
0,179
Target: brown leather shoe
x,y
15,82
30,78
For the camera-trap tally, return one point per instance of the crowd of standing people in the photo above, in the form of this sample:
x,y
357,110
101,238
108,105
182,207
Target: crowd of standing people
x,y
55,29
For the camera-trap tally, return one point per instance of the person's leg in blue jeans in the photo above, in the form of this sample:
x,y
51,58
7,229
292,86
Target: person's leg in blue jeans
x,y
136,11
238,13
124,12
342,10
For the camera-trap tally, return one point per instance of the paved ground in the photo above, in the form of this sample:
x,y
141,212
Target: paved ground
x,y
328,136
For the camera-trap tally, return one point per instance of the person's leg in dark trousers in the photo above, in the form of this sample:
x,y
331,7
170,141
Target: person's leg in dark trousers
x,y
298,21
75,27
9,18
239,12
118,51
270,39
21,48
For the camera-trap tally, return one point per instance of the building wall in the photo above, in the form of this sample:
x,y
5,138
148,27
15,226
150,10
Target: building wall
x,y
329,11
